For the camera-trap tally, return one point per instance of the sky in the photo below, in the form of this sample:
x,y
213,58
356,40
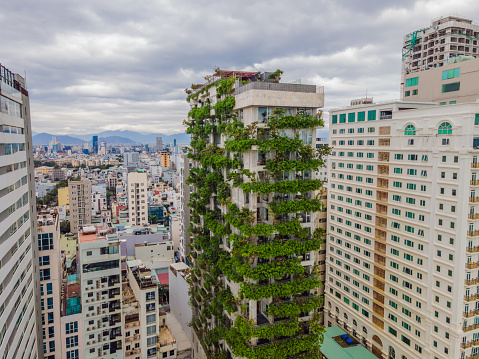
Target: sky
x,y
124,65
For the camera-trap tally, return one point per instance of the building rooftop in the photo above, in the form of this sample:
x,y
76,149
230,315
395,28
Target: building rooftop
x,y
334,347
93,233
144,276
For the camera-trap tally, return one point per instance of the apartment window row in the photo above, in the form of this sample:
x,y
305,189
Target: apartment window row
x,y
355,117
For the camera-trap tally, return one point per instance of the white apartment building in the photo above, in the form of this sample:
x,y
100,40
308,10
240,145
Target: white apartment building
x,y
20,329
50,267
184,210
403,243
137,198
433,46
79,194
145,290
100,283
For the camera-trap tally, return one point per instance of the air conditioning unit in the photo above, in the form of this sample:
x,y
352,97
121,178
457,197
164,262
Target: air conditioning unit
x,y
87,343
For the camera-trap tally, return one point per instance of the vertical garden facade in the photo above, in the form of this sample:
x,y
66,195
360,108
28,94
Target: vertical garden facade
x,y
254,285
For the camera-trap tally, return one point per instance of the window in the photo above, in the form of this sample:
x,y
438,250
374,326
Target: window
x,y
445,128
335,118
73,354
72,341
453,86
351,117
410,130
361,116
44,261
451,74
342,118
71,327
44,274
150,318
371,116
412,81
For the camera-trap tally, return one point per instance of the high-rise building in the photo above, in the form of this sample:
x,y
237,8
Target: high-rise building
x,y
253,237
100,283
454,82
159,143
402,245
20,328
95,144
79,197
184,210
138,198
434,46
50,268
164,159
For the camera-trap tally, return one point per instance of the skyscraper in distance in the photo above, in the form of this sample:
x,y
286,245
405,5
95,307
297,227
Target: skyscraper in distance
x,y
95,144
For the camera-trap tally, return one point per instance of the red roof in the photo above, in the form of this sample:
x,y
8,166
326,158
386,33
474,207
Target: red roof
x,y
242,74
163,278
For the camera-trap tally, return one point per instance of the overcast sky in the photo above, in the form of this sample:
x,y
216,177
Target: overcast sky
x,y
110,65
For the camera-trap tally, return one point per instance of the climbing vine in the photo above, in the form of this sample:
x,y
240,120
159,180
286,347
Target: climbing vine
x,y
263,252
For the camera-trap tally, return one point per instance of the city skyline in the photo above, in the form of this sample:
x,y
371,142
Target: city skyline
x,y
118,67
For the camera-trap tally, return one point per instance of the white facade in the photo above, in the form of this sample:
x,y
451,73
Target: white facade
x,y
20,327
79,195
50,283
100,282
184,210
402,244
137,198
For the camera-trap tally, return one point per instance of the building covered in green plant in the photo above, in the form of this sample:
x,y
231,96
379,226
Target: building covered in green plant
x,y
254,195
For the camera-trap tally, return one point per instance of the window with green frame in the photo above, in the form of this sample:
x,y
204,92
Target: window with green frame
x,y
372,115
412,81
476,121
453,86
342,118
451,74
445,128
407,93
361,116
352,117
410,130
335,118
415,92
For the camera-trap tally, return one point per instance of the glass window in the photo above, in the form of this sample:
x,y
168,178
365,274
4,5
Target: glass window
x,y
453,86
410,130
361,116
412,81
450,74
372,115
445,128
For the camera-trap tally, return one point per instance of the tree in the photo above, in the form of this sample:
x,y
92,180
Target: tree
x,y
276,76
64,227
153,219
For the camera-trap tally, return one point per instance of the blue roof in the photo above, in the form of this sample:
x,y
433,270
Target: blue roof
x,y
332,350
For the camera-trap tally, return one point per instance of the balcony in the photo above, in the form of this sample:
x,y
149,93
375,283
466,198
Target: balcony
x,y
384,130
381,222
474,233
473,216
473,199
378,297
384,142
383,183
378,310
472,265
378,285
383,156
381,273
271,86
378,322
474,182
133,352
471,298
470,327
380,247
383,170
380,234
471,313
472,249
474,165
382,196
471,281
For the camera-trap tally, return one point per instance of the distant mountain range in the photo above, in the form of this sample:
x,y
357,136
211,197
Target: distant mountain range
x,y
111,137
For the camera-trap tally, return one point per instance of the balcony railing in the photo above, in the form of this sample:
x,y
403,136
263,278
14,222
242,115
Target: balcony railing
x,y
271,86
471,281
473,216
471,313
473,233
472,249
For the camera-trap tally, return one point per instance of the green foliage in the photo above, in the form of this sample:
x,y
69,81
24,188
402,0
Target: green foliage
x,y
259,291
225,86
304,205
294,186
276,76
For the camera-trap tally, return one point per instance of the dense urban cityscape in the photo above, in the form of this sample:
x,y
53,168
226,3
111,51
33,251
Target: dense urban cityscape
x,y
255,237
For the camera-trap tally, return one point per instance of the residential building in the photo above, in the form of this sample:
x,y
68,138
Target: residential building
x,y
50,267
454,82
20,320
240,199
71,322
58,174
63,197
402,242
100,284
159,143
79,196
145,291
137,198
178,274
184,210
164,159
431,47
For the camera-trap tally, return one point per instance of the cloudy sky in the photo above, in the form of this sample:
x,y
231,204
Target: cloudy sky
x,y
111,65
